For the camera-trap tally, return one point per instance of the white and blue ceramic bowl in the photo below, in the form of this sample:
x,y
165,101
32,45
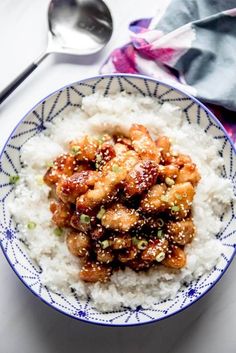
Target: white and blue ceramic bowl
x,y
34,122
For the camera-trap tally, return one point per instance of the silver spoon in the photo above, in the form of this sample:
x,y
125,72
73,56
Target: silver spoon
x,y
78,27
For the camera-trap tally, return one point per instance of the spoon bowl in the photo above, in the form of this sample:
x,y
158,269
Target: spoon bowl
x,y
77,27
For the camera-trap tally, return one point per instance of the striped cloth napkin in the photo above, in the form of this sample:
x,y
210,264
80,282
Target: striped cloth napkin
x,y
191,45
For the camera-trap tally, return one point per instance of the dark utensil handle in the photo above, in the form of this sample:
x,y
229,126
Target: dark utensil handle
x,y
18,80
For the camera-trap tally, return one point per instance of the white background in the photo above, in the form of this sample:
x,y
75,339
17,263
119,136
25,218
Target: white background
x,y
26,324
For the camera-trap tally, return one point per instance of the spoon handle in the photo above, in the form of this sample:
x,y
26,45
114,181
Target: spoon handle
x,y
17,81
20,78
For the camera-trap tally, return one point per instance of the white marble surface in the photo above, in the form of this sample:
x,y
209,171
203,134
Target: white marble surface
x,y
26,324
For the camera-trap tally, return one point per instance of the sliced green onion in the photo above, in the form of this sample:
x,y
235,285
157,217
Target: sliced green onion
x,y
13,179
100,139
169,181
160,233
175,208
105,244
75,149
178,196
98,161
160,257
101,212
31,225
160,222
116,168
49,164
98,157
58,232
142,244
39,180
135,241
85,219
164,198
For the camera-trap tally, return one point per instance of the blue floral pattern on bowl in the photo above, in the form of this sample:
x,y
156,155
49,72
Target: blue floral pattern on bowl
x,y
10,163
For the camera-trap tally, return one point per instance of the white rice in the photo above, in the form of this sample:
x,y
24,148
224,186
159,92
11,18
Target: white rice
x,y
111,114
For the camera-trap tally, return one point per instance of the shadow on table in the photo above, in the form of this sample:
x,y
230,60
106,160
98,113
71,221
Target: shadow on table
x,y
61,334
77,59
52,61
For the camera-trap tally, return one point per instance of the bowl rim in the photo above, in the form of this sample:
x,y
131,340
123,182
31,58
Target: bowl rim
x,y
142,77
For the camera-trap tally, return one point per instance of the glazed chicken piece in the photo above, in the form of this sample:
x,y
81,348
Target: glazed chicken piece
x,y
141,177
155,251
124,141
120,149
104,190
105,255
138,264
179,199
70,188
130,159
105,138
175,258
85,149
181,232
77,222
78,243
95,272
113,174
164,145
104,154
121,241
151,221
61,213
119,218
143,143
188,172
125,160
63,166
178,159
128,254
182,159
168,171
97,232
154,201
